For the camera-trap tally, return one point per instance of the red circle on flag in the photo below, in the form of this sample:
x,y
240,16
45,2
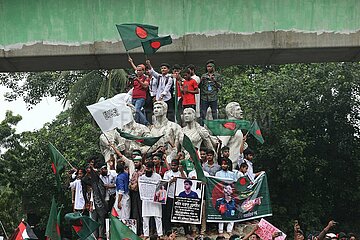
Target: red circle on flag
x,y
258,132
141,32
155,45
242,181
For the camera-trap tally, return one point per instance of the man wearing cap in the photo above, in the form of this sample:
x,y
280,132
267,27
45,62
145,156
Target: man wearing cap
x,y
165,87
188,193
210,84
135,212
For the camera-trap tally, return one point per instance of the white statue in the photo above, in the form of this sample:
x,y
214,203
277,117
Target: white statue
x,y
106,139
196,133
172,132
135,129
233,111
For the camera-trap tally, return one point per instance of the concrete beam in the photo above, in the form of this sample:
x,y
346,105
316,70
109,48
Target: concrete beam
x,y
272,47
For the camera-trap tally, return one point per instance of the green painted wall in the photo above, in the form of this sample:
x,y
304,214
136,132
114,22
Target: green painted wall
x,y
86,21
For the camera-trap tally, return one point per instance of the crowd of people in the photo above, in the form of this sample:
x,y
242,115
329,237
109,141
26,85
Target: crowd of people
x,y
111,182
178,88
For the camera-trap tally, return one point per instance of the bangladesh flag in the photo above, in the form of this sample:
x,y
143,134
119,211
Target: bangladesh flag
x,y
118,230
132,34
23,232
58,163
152,45
53,225
187,144
148,141
226,127
256,132
84,226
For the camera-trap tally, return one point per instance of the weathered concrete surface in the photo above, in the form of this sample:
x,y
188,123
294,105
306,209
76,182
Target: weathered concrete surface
x,y
54,35
228,49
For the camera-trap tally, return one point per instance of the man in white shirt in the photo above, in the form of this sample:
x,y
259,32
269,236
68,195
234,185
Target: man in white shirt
x,y
225,172
149,208
164,87
109,180
76,186
171,176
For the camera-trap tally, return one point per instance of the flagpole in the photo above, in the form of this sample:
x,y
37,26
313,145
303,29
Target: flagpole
x,y
250,128
64,157
2,226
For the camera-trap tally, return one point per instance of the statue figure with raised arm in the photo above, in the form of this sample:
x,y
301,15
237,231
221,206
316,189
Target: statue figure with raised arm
x,y
196,133
136,129
111,137
172,132
233,111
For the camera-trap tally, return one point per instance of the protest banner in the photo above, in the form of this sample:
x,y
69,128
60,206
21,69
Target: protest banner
x,y
266,230
153,190
237,201
110,114
147,188
160,195
188,199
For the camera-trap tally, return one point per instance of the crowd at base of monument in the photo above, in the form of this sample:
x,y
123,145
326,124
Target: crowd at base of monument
x,y
161,185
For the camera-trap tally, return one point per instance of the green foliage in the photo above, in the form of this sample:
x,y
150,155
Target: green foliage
x,y
309,115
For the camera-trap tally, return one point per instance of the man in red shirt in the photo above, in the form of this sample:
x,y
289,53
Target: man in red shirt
x,y
141,84
189,88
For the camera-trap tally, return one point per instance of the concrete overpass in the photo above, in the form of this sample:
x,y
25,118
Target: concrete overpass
x,y
59,35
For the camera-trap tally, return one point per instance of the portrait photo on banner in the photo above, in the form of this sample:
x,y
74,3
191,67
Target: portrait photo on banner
x,y
188,199
161,192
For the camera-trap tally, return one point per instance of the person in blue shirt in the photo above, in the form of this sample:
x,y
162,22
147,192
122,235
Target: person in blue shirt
x,y
122,202
188,193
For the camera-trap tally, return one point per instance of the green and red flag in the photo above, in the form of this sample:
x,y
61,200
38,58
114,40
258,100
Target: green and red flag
x,y
226,127
249,200
118,230
58,163
84,226
152,45
256,132
188,146
23,232
148,141
53,225
132,34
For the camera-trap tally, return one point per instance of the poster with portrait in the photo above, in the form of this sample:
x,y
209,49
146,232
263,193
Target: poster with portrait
x,y
188,199
160,195
238,201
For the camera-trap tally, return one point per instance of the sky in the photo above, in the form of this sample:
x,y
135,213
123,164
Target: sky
x,y
34,119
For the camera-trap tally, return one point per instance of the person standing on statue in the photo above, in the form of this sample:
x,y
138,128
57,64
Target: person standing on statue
x,y
191,67
141,85
189,88
164,87
210,84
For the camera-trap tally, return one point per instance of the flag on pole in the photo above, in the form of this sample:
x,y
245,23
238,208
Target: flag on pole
x,y
256,132
53,225
118,230
226,127
110,114
132,34
152,45
187,144
148,141
84,226
23,232
58,163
